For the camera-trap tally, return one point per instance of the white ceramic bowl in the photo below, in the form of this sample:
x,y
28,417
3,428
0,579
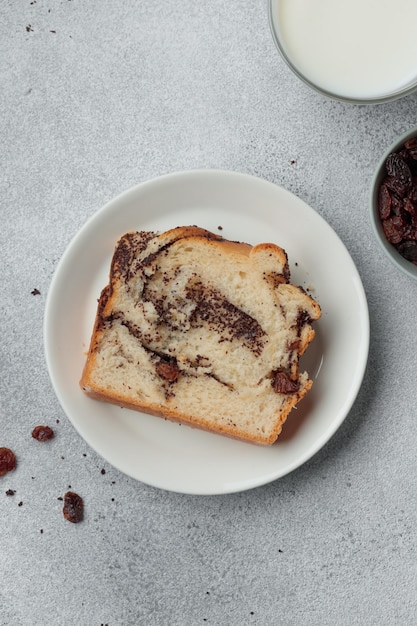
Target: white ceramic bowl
x,y
395,257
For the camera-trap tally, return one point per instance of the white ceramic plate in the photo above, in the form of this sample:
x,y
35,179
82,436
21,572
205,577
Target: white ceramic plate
x,y
179,458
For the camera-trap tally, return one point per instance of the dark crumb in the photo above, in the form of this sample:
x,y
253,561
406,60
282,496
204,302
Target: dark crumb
x,y
208,593
60,498
57,421
113,482
62,457
41,531
29,28
279,550
103,471
252,613
52,31
33,478
42,433
219,227
20,503
293,161
35,292
69,487
84,454
112,499
10,492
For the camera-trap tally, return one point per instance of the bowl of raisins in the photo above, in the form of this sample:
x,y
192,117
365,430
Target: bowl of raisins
x,y
394,203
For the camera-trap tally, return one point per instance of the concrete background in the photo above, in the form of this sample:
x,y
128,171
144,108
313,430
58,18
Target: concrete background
x,y
96,97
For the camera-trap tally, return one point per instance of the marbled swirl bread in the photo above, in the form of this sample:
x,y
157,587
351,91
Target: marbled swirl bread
x,y
201,330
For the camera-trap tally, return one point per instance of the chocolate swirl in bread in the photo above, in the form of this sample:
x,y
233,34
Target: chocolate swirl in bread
x,y
201,330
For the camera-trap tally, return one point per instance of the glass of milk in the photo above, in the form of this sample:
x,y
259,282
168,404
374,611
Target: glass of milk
x,y
359,51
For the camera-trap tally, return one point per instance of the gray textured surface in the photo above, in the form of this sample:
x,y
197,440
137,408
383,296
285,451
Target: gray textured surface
x,y
96,97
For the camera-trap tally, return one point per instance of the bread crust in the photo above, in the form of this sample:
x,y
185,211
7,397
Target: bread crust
x,y
114,333
194,421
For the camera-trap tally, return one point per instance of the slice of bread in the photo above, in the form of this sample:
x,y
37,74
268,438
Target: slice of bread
x,y
202,330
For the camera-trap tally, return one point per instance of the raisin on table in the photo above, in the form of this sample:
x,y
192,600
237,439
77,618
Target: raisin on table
x,y
7,461
42,433
73,509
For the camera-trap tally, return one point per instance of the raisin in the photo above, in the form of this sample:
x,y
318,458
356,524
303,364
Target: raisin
x,y
397,186
412,233
405,156
168,370
397,205
394,229
411,147
282,383
7,461
412,194
410,207
384,202
42,433
293,345
408,249
397,168
73,509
